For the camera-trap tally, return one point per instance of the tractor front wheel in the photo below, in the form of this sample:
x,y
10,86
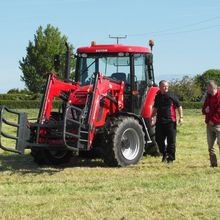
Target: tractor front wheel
x,y
57,157
48,156
125,142
51,157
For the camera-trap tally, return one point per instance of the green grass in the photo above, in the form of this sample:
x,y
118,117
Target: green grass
x,y
84,189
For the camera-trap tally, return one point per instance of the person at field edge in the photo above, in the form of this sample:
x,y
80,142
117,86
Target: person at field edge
x,y
211,110
164,108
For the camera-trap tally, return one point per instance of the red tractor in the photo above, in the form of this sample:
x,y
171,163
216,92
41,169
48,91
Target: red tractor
x,y
106,109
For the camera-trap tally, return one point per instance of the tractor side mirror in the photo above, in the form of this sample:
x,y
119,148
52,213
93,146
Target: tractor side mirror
x,y
149,59
57,62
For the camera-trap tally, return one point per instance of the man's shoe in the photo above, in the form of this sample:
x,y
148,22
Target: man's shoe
x,y
169,161
213,160
164,159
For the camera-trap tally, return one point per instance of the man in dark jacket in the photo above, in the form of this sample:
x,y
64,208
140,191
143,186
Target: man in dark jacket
x,y
165,105
211,110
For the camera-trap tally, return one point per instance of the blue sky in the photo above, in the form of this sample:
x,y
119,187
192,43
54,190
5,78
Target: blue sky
x,y
186,33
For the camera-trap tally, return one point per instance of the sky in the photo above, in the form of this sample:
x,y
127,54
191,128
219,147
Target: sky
x,y
186,33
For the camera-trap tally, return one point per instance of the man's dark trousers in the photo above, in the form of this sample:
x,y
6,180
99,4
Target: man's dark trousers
x,y
163,132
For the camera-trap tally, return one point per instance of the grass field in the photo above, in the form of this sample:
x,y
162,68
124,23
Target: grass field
x,y
84,189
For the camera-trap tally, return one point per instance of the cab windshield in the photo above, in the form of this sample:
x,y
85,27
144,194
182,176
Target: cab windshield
x,y
115,67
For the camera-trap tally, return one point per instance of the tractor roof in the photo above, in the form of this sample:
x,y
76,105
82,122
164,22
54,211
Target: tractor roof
x,y
113,48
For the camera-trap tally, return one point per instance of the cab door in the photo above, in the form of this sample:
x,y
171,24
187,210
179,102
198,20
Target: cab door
x,y
140,82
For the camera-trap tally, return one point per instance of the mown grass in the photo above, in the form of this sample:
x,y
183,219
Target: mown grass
x,y
87,189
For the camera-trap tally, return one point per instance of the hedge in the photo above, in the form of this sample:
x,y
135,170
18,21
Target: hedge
x,y
19,97
28,104
36,104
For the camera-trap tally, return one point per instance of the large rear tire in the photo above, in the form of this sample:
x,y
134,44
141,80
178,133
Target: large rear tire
x,y
125,142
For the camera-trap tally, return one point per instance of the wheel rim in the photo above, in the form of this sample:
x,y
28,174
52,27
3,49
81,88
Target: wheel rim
x,y
130,144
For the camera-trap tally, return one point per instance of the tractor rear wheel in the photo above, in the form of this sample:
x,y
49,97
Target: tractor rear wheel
x,y
125,142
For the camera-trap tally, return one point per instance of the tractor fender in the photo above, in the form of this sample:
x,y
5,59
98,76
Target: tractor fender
x,y
146,109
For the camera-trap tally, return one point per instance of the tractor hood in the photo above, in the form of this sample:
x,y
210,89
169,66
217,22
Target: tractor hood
x,y
78,97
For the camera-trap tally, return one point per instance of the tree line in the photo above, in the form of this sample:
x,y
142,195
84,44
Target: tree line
x,y
192,89
48,42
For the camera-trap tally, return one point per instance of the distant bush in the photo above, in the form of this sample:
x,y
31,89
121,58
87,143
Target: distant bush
x,y
192,105
187,89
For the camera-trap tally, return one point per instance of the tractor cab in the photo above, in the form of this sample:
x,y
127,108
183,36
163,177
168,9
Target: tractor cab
x,y
130,64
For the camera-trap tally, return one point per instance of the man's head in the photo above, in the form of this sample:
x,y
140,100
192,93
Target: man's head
x,y
212,87
164,86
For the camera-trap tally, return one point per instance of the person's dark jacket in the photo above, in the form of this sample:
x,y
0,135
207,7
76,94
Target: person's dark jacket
x,y
166,105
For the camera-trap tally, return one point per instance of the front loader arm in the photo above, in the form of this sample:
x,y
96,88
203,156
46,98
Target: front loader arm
x,y
54,88
107,99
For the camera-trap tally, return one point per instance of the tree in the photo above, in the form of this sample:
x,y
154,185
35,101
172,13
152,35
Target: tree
x,y
40,57
212,74
18,91
186,88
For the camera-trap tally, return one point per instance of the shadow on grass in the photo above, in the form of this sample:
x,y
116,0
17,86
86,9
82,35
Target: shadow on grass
x,y
22,164
25,164
77,161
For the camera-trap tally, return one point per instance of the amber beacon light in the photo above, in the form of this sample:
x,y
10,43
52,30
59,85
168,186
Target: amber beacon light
x,y
151,44
93,43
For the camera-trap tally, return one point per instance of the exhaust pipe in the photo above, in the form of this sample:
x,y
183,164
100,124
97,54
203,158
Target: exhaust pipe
x,y
67,64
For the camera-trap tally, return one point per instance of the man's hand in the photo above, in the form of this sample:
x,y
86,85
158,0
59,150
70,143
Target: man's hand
x,y
152,121
211,123
181,120
153,117
207,109
180,111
